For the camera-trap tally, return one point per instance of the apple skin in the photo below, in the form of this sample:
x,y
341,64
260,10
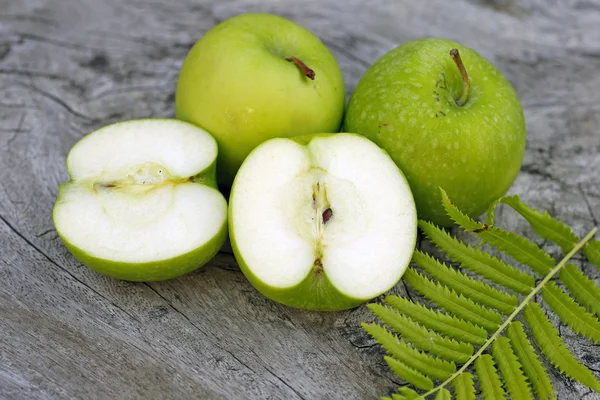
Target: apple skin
x,y
405,103
155,270
315,292
236,84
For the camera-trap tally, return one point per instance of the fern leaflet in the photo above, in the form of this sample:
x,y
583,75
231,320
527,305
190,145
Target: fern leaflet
x,y
443,394
408,393
478,261
462,284
458,304
400,350
491,387
462,219
542,223
571,313
549,341
516,383
535,372
581,287
410,375
519,248
464,388
422,337
592,252
439,322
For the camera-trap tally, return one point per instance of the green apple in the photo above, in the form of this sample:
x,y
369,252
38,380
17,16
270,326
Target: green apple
x,y
142,203
447,120
254,77
321,222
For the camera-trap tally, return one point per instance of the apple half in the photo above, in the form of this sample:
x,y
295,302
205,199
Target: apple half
x,y
142,203
321,222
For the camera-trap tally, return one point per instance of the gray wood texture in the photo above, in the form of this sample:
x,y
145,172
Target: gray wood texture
x,y
68,67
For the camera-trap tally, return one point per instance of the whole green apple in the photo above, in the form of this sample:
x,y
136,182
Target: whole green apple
x,y
448,118
321,222
142,203
258,76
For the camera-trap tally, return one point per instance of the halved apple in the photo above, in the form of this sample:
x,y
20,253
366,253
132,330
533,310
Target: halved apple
x,y
142,202
322,222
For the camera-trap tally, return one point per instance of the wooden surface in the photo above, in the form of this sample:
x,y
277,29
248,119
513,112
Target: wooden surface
x,y
68,67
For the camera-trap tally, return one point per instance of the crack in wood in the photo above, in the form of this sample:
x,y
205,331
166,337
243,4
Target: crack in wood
x,y
66,271
58,101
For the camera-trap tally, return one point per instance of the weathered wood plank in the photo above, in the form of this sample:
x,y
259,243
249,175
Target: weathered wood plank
x,y
68,67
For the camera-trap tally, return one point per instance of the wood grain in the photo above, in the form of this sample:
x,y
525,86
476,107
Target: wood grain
x,y
68,67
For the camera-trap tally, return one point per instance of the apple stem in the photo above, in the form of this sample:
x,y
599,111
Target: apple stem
x,y
309,73
465,77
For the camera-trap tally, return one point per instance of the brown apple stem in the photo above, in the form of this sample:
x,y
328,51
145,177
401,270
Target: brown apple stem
x,y
463,72
309,73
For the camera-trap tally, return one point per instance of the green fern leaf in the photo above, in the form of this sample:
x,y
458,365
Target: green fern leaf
x,y
443,394
462,284
521,249
535,372
462,219
408,393
491,387
542,223
421,337
478,261
410,375
400,350
464,388
592,252
458,304
549,341
571,313
446,324
581,287
516,383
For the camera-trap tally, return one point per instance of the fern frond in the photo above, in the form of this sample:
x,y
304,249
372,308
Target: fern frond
x,y
591,251
464,388
408,393
462,219
551,344
581,287
443,394
458,304
478,261
467,286
516,383
400,350
542,223
421,337
410,375
571,313
489,381
446,324
521,249
535,372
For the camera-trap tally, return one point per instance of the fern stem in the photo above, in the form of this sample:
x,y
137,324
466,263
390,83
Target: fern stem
x,y
520,307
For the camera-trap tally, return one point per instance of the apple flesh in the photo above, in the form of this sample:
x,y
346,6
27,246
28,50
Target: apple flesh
x,y
254,77
322,222
142,203
415,103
